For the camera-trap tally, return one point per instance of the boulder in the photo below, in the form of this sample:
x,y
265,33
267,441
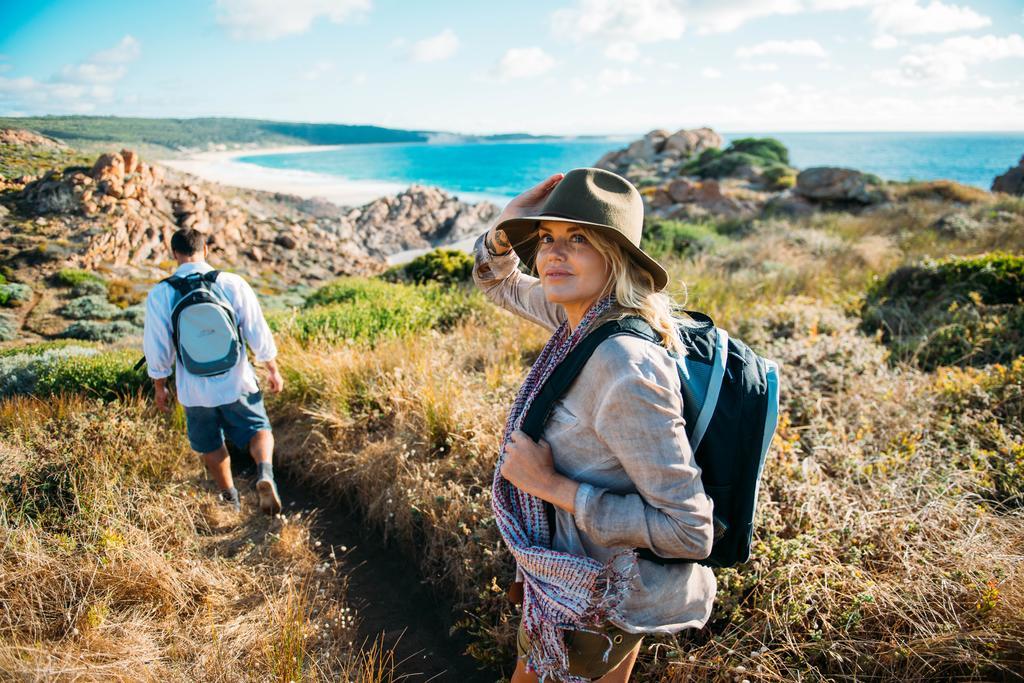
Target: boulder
x,y
831,184
1011,182
690,142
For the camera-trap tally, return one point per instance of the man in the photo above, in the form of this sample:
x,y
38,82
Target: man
x,y
229,403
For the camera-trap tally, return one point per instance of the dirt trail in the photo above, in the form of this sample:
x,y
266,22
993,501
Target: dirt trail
x,y
386,591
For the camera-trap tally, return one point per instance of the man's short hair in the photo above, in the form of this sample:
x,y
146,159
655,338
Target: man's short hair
x,y
187,242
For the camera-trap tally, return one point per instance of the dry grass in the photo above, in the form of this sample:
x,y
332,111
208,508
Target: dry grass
x,y
116,565
876,557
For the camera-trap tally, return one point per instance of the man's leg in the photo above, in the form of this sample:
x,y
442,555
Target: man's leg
x,y
218,464
207,439
261,448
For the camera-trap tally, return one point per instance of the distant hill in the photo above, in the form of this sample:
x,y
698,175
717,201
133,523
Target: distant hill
x,y
200,133
188,134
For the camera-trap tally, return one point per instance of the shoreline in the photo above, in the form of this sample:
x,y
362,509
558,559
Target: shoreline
x,y
224,168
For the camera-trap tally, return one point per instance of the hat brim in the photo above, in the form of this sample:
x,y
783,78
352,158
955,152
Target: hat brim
x,y
522,234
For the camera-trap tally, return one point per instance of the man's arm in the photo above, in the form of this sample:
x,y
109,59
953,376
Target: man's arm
x,y
258,335
158,347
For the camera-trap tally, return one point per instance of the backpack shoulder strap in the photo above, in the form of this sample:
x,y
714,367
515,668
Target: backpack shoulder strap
x,y
565,374
211,276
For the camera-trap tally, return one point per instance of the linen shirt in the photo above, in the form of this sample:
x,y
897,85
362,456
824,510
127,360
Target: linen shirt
x,y
619,432
161,356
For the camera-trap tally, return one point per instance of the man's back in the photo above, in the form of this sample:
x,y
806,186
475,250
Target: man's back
x,y
161,355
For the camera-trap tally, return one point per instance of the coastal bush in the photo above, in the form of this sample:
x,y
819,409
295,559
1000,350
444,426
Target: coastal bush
x,y
986,406
136,315
366,311
446,266
90,288
766,154
45,370
14,294
954,311
664,238
96,330
71,277
8,327
91,306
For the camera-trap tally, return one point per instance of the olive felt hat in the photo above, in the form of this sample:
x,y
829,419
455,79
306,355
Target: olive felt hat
x,y
594,198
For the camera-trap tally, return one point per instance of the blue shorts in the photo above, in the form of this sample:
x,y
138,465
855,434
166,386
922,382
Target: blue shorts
x,y
239,421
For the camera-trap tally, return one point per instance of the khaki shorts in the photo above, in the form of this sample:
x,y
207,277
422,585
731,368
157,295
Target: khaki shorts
x,y
586,649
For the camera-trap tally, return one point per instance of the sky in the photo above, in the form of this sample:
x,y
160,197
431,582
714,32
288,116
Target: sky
x,y
536,66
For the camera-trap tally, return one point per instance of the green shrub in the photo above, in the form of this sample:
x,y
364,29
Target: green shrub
x,y
136,314
14,294
364,310
94,330
762,153
678,238
90,288
447,266
89,307
44,370
779,177
8,327
71,277
763,148
955,311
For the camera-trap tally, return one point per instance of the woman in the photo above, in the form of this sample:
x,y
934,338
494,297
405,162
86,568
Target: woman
x,y
614,460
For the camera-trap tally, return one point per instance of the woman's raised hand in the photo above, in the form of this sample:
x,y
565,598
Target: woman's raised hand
x,y
526,204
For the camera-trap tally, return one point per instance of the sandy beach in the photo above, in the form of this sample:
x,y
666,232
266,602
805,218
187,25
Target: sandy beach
x,y
224,168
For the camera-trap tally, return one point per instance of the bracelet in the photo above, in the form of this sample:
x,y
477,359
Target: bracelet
x,y
490,248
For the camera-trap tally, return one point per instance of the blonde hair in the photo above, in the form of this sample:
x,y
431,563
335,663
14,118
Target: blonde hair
x,y
635,292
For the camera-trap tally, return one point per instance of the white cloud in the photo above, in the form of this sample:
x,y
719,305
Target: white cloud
x,y
907,17
615,78
710,72
774,90
524,62
947,62
721,17
641,21
804,48
271,19
884,42
76,88
759,66
435,48
998,85
623,51
128,50
318,71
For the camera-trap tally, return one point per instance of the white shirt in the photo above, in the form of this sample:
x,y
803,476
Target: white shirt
x,y
161,356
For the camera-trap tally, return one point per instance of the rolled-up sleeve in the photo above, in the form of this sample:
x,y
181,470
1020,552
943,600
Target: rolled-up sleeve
x,y
505,285
157,344
254,326
639,418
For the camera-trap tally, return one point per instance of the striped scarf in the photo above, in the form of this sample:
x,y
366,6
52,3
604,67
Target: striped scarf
x,y
560,591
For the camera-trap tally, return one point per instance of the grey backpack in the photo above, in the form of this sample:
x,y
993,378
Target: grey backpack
x,y
205,332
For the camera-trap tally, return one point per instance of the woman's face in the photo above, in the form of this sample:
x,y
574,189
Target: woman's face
x,y
572,272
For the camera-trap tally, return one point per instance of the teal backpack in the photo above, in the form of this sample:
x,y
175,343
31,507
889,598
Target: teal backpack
x,y
206,335
731,410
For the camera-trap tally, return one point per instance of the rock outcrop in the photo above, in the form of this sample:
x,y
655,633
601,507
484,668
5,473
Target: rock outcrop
x,y
836,185
1011,182
19,136
658,153
125,211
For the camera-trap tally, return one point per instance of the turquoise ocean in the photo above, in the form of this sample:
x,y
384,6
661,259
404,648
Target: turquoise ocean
x,y
503,169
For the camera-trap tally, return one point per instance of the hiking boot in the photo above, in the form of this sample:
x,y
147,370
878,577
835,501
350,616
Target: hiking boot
x,y
270,502
231,498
